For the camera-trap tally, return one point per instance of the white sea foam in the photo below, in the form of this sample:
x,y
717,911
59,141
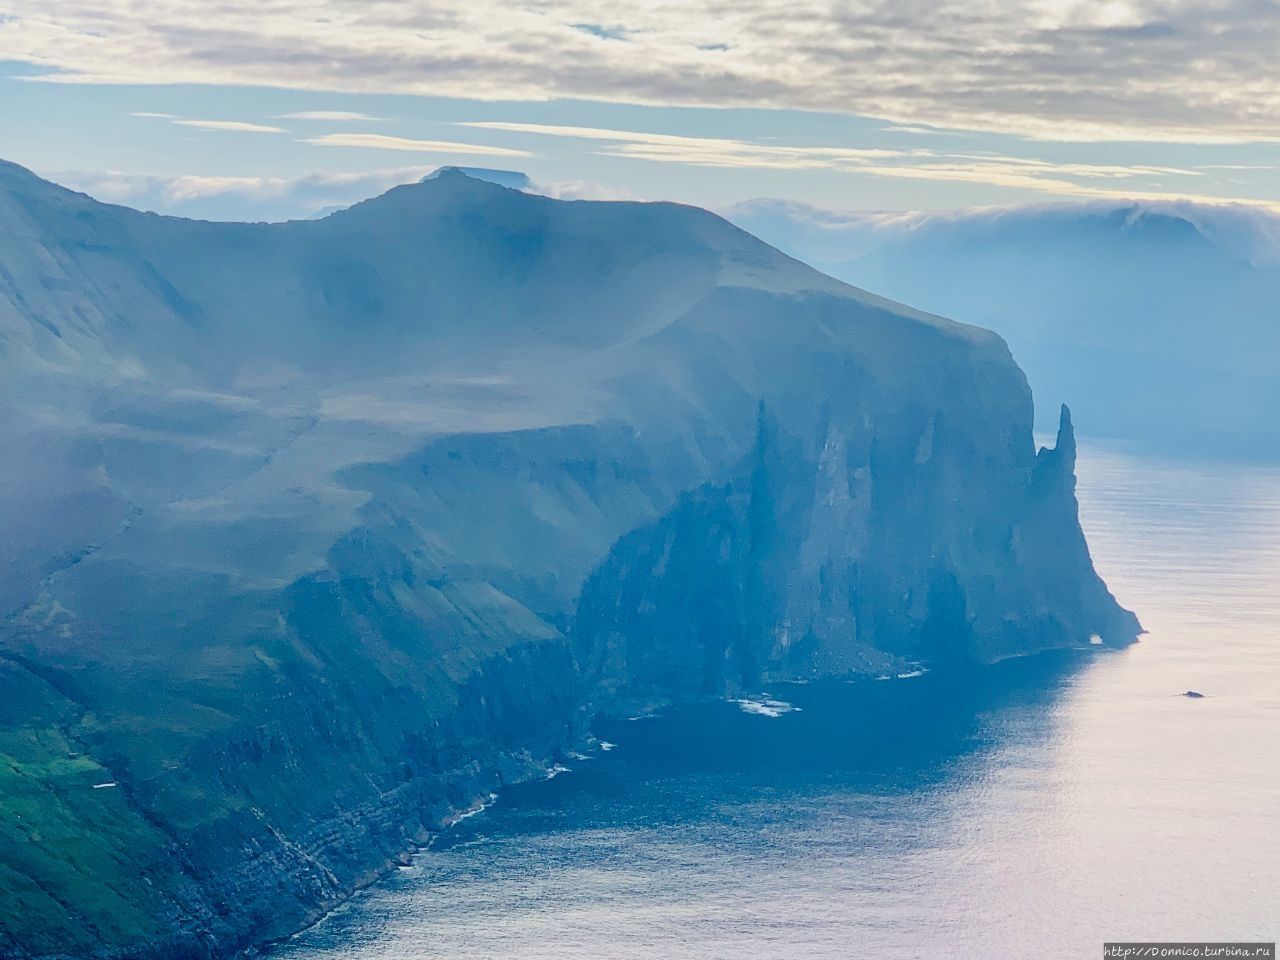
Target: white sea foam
x,y
480,807
765,706
905,675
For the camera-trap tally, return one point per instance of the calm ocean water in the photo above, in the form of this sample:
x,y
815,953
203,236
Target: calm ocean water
x,y
1032,809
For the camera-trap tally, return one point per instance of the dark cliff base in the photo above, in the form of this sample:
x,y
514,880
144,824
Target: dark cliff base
x,y
248,888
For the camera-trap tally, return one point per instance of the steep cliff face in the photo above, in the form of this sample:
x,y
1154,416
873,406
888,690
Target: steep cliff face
x,y
317,533
847,551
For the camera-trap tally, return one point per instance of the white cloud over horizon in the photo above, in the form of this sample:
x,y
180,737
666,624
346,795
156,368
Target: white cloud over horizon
x,y
245,198
1191,71
1082,180
377,141
230,126
274,198
831,235
703,151
332,116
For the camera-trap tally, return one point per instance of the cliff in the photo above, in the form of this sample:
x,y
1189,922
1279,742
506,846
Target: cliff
x,y
1156,319
316,533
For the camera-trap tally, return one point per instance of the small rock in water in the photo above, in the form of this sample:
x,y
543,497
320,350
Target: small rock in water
x,y
1194,694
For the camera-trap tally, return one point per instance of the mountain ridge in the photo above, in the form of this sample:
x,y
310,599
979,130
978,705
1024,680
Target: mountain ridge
x,y
319,532
431,199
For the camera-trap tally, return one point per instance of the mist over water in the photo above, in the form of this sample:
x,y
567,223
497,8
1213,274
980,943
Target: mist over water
x,y
1038,807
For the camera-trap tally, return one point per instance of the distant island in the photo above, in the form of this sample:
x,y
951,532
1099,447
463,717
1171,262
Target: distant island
x,y
315,533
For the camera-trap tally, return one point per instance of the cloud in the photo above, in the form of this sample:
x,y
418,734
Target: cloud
x,y
1022,173
1065,179
1083,181
830,236
276,198
376,141
580,190
1200,71
153,116
232,126
703,151
332,116
919,130
239,198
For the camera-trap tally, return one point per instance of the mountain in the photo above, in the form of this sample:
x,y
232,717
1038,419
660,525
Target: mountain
x,y
504,178
1159,323
315,533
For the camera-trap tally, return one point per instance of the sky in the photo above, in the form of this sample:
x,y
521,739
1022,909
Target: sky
x,y
277,108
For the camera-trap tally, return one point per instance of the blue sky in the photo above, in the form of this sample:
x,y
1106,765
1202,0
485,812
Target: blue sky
x,y
277,109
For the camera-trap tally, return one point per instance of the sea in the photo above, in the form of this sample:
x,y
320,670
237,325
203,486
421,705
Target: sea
x,y
1032,809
